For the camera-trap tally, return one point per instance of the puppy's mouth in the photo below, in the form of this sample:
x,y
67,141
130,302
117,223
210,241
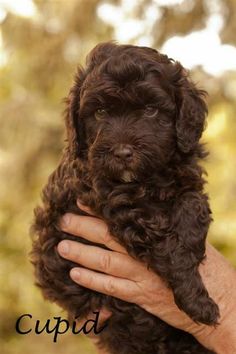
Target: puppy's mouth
x,y
127,176
113,170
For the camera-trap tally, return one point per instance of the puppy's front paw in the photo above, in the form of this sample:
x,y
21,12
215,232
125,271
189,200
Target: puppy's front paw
x,y
207,311
201,310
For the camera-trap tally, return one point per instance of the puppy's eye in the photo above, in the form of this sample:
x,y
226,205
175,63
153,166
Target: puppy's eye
x,y
151,111
100,113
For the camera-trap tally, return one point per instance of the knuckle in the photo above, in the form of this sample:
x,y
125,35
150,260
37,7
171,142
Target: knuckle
x,y
76,257
106,237
110,287
141,301
105,262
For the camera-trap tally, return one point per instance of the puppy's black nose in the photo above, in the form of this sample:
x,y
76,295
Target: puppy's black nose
x,y
123,151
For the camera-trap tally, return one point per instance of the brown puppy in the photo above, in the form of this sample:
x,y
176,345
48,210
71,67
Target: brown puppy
x,y
134,120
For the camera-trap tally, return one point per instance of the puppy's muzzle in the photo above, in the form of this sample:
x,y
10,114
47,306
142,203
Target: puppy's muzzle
x,y
123,152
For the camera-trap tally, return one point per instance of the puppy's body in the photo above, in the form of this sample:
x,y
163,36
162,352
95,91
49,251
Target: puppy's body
x,y
134,121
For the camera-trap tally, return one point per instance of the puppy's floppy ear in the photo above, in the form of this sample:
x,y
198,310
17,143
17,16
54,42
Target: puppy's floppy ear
x,y
74,124
76,137
192,111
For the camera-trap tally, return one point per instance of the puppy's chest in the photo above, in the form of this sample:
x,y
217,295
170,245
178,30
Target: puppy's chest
x,y
130,211
106,200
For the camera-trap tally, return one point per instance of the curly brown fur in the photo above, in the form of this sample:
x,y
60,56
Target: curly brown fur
x,y
134,120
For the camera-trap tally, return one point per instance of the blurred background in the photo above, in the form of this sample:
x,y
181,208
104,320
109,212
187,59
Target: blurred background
x,y
41,43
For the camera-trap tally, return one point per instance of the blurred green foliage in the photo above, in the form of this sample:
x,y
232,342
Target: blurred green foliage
x,y
42,52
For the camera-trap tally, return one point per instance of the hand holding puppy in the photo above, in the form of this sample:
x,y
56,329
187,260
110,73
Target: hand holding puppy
x,y
115,273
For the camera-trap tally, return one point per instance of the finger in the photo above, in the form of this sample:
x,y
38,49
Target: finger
x,y
103,315
109,262
123,289
85,208
90,228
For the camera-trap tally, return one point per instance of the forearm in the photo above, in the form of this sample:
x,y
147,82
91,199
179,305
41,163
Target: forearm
x,y
225,341
220,279
221,339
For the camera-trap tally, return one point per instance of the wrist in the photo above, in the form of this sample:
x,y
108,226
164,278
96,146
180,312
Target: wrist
x,y
222,338
222,288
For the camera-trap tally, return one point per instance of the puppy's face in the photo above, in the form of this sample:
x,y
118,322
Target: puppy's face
x,y
129,112
129,125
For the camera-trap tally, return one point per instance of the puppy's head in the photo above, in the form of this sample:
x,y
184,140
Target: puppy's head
x,y
131,110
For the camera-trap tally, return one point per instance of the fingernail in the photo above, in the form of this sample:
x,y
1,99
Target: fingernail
x,y
79,203
65,220
63,248
75,273
106,312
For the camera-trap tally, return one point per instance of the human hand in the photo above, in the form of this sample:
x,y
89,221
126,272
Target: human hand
x,y
131,281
